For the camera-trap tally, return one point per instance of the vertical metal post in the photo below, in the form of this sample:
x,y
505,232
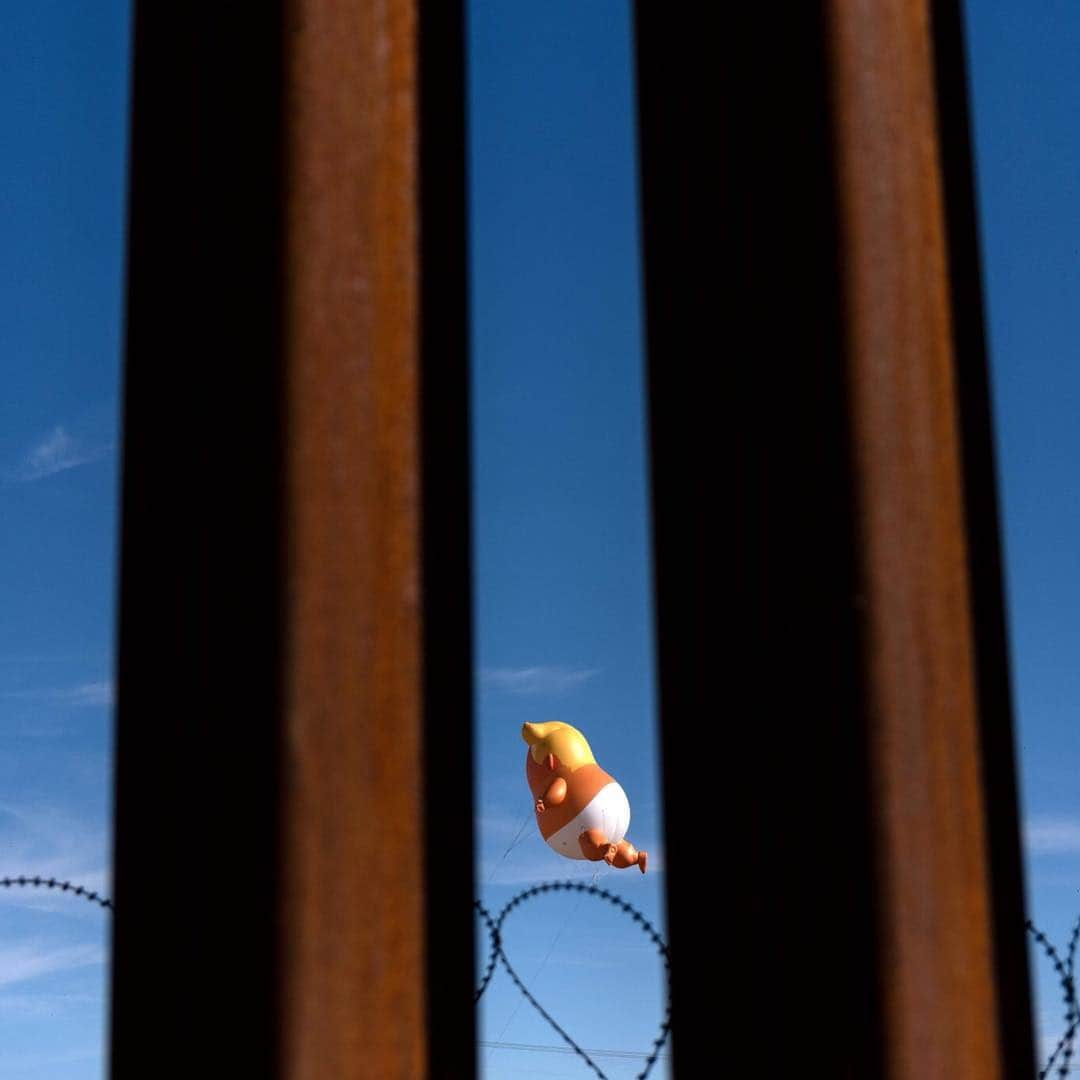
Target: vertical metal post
x,y
821,468
294,657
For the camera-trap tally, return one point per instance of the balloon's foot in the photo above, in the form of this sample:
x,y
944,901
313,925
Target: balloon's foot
x,y
628,855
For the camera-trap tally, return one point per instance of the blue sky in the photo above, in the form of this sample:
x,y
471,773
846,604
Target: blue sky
x,y
63,118
563,609
563,605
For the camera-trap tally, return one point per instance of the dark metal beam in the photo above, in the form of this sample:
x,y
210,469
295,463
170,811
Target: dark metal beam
x,y
821,468
197,764
295,602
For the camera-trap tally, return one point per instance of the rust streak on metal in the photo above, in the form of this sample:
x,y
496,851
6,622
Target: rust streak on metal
x,y
353,953
937,972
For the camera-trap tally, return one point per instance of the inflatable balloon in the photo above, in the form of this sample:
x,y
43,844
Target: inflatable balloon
x,y
581,811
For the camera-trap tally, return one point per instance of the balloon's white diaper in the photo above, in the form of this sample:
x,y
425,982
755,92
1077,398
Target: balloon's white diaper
x,y
608,810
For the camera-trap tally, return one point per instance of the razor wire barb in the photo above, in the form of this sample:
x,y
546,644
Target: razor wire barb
x,y
1061,1056
1066,977
494,927
38,882
496,955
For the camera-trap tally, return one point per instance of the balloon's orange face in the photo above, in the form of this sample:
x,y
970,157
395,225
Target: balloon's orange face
x,y
540,773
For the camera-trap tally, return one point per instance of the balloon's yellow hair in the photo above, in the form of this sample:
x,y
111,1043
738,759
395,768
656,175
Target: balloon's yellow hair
x,y
562,740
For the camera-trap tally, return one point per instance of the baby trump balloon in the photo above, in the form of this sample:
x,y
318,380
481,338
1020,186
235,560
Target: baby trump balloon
x,y
582,812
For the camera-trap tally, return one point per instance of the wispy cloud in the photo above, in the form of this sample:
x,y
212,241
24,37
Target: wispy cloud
x,y
1052,835
31,1063
536,680
91,694
28,960
55,452
46,842
497,826
533,862
35,1004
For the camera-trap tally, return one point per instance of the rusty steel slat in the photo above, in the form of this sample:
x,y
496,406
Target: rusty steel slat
x,y
830,629
295,568
353,852
766,848
369,668
767,863
931,841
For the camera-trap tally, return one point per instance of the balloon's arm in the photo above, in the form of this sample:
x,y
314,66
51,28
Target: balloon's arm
x,y
555,794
